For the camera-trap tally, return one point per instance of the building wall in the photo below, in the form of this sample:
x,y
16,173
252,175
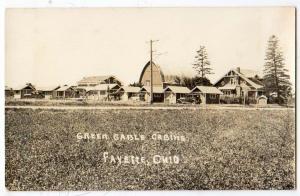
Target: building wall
x,y
170,97
146,76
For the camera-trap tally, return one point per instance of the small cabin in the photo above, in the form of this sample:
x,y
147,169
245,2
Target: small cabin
x,y
262,100
173,93
25,91
206,94
129,93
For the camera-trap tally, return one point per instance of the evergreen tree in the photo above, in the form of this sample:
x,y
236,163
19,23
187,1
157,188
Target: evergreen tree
x,y
276,78
202,64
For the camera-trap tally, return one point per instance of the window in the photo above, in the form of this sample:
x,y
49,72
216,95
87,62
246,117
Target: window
x,y
232,81
102,92
147,82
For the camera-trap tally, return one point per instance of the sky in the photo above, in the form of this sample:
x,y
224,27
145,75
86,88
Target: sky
x,y
51,46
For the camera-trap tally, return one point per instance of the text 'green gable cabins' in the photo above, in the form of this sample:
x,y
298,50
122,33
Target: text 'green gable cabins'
x,y
206,94
240,83
173,93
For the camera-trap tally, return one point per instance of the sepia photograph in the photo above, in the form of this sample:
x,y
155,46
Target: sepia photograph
x,y
194,98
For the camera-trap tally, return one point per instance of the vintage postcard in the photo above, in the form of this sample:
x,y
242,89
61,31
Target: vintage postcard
x,y
150,99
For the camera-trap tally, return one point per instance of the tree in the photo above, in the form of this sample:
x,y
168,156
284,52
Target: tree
x,y
191,82
202,64
276,78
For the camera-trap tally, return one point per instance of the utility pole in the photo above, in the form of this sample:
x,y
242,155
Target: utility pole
x,y
151,70
151,75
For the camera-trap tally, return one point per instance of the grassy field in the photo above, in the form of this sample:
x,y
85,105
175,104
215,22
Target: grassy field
x,y
224,149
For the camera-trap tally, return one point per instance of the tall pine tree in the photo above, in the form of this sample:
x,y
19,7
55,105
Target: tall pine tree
x,y
276,78
202,64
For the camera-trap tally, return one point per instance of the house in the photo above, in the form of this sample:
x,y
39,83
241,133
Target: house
x,y
8,92
241,83
158,93
129,93
206,94
96,80
65,92
173,93
24,91
101,91
47,92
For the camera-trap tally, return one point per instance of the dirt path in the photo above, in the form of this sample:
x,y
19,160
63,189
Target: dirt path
x,y
143,108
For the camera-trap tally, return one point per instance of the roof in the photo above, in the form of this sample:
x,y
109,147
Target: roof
x,y
262,97
95,79
156,89
7,88
17,88
208,90
227,87
178,89
47,88
64,88
248,72
130,89
153,64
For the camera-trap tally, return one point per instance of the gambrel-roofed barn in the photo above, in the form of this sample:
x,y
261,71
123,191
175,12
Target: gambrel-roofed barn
x,y
206,94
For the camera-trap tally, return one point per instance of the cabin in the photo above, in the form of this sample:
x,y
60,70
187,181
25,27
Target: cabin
x,y
173,93
47,92
206,94
102,92
240,84
129,93
158,94
65,92
24,92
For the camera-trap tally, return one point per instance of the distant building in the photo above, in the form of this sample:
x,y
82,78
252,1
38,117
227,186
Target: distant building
x,y
101,92
47,92
96,80
206,94
8,92
65,92
24,91
241,83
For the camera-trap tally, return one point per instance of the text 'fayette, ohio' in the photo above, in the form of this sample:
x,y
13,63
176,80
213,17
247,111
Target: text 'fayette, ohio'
x,y
130,159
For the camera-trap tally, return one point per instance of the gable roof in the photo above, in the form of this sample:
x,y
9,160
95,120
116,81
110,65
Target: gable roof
x,y
64,88
240,74
130,89
156,89
178,89
96,79
207,90
47,88
102,87
18,88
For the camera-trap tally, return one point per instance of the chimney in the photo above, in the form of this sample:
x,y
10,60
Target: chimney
x,y
238,69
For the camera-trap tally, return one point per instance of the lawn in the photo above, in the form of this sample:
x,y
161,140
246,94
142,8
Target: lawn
x,y
222,149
